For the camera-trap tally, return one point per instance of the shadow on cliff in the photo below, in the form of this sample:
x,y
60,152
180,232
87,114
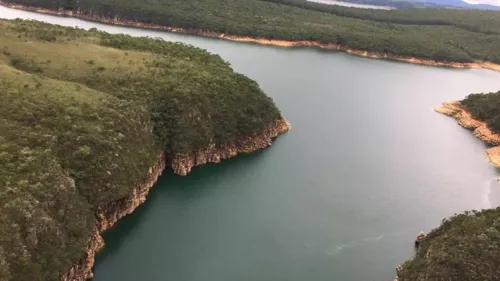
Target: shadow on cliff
x,y
202,179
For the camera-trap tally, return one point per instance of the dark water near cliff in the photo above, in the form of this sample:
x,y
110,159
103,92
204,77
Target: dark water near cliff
x,y
366,166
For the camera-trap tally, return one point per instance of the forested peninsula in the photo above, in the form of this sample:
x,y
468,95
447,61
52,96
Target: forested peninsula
x,y
465,246
448,37
89,121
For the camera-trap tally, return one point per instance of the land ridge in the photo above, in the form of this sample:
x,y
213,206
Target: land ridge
x,y
259,40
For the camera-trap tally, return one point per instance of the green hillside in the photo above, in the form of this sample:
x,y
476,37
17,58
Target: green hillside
x,y
83,115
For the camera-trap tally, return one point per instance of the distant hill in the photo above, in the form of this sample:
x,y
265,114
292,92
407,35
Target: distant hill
x,y
404,4
458,4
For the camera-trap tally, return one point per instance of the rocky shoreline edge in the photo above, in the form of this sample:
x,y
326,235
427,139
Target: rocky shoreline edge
x,y
110,213
263,41
479,129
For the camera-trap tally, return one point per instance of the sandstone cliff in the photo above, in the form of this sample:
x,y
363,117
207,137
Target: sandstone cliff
x,y
182,163
479,128
107,215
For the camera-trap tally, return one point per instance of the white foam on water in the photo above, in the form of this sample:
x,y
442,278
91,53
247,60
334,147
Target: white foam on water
x,y
333,251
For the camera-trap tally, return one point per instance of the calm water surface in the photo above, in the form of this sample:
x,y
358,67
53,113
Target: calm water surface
x,y
341,197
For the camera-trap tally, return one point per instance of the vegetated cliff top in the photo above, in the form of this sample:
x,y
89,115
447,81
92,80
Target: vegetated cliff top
x,y
84,114
486,108
466,247
451,35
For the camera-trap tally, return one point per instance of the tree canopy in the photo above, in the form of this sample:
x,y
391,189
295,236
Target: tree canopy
x,y
485,107
465,247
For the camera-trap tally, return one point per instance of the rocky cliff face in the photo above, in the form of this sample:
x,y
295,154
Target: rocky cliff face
x,y
182,163
83,269
108,214
479,128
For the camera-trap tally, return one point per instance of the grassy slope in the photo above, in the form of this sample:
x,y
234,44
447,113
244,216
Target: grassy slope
x,y
83,115
58,142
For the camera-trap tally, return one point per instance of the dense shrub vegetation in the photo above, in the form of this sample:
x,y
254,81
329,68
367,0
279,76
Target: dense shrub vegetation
x,y
83,115
441,34
485,107
465,247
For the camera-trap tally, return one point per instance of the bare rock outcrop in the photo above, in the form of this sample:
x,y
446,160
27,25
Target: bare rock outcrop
x,y
480,129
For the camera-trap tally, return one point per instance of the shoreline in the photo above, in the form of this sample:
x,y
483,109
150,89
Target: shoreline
x,y
479,128
262,41
110,213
